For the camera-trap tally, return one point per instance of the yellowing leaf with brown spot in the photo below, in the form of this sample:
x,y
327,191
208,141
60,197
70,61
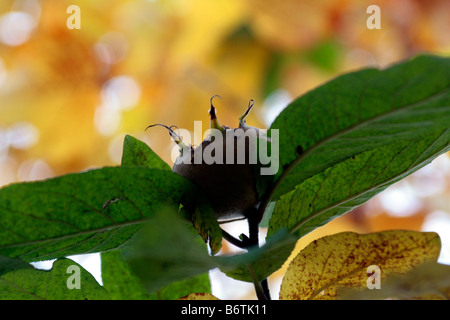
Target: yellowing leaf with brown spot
x,y
341,260
429,281
199,296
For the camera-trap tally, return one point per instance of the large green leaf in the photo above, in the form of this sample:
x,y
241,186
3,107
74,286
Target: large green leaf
x,y
353,137
358,112
88,212
350,183
122,284
167,250
67,280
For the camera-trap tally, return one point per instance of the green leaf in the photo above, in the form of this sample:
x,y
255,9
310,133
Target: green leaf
x,y
19,281
358,112
118,279
138,154
122,284
267,215
94,211
179,289
352,182
353,137
205,222
167,250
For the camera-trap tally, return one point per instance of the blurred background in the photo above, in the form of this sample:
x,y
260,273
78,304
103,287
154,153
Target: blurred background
x,y
69,96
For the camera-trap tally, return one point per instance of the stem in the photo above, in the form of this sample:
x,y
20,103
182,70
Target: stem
x,y
258,288
238,243
261,287
265,286
253,223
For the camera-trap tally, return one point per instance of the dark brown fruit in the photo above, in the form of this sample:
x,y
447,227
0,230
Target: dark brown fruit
x,y
230,188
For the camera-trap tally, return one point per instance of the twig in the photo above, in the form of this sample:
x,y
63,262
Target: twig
x,y
238,243
261,287
258,288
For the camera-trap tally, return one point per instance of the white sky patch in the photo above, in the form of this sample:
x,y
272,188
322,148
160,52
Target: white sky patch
x,y
439,222
274,104
400,200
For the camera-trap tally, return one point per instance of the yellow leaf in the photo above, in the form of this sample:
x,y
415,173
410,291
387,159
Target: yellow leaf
x,y
429,281
199,296
343,260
